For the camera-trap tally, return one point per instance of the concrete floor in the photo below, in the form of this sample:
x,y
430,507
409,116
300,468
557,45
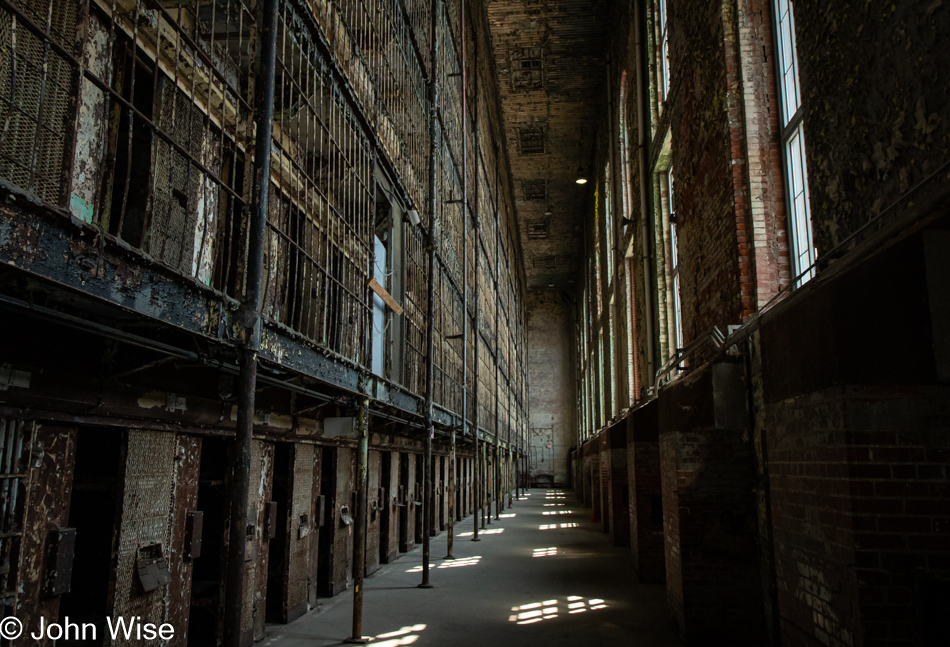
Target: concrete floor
x,y
543,574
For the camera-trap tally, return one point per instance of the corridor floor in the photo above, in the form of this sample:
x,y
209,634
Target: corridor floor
x,y
543,574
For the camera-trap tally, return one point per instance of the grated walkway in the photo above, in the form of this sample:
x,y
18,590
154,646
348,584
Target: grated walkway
x,y
543,574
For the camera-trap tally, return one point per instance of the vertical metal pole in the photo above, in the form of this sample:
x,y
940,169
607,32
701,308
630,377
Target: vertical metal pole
x,y
249,326
477,460
509,470
486,488
359,528
476,241
510,478
450,538
496,472
427,498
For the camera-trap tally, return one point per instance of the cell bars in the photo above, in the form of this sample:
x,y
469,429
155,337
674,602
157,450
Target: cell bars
x,y
145,130
415,306
152,150
373,44
321,202
16,442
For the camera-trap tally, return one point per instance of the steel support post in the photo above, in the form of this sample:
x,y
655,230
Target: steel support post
x,y
249,322
427,497
359,528
450,538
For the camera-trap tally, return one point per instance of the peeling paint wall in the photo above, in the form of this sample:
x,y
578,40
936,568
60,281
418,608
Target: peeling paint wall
x,y
256,555
298,566
147,519
51,477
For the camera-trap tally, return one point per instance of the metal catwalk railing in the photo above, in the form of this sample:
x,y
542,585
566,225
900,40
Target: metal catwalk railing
x,y
135,117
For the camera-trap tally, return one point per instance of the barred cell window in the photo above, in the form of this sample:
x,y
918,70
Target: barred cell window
x,y
804,253
534,189
527,69
531,139
538,229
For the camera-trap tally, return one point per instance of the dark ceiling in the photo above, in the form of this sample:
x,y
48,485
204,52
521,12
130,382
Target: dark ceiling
x,y
550,56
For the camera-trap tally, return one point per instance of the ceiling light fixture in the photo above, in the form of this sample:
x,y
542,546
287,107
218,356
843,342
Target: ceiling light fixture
x,y
581,178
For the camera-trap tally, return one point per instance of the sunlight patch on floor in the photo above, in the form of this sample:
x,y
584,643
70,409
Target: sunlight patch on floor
x,y
491,531
552,526
510,515
405,636
549,512
450,563
533,612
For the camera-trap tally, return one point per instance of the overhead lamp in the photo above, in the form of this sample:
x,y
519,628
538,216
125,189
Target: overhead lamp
x,y
581,180
581,177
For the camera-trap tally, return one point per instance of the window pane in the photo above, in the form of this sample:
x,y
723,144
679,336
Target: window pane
x,y
788,60
803,251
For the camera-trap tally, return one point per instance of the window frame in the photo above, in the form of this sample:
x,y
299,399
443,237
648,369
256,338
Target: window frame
x,y
678,339
664,39
803,253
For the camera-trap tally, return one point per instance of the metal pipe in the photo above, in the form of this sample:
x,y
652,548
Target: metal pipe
x,y
476,459
249,326
362,467
509,471
430,306
644,136
496,475
486,486
359,528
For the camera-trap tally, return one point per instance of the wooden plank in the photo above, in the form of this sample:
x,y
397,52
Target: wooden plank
x,y
385,296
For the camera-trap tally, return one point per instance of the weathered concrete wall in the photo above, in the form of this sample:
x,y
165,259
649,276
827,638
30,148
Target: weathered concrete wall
x,y
551,398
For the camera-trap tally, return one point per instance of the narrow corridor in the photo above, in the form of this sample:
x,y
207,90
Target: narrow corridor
x,y
543,574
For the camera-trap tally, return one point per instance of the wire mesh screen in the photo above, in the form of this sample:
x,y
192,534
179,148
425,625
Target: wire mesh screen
x,y
184,199
38,42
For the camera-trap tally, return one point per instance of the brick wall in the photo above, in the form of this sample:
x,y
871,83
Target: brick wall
x,y
877,105
619,496
701,105
707,471
552,398
646,514
859,455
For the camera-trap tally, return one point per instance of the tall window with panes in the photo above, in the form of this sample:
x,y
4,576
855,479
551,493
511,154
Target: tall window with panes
x,y
664,39
674,263
793,143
